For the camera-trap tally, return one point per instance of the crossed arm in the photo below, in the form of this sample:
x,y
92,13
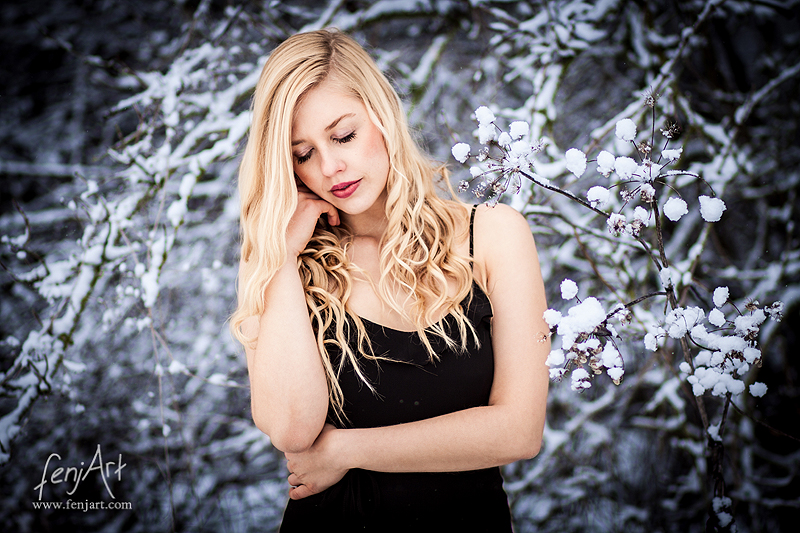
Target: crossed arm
x,y
508,429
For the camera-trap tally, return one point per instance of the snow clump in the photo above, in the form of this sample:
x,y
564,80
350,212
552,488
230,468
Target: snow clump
x,y
716,317
721,295
569,289
486,129
711,208
580,379
625,167
605,163
576,162
552,317
518,128
672,154
758,389
598,196
484,115
667,277
616,223
460,152
582,318
626,130
675,208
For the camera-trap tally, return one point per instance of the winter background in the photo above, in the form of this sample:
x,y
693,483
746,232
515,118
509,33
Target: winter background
x,y
674,405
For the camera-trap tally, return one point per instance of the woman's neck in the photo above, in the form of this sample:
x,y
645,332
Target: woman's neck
x,y
371,223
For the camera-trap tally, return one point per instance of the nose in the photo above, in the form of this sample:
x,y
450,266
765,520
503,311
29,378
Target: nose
x,y
330,162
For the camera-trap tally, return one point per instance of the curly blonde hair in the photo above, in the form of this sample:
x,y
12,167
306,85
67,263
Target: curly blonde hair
x,y
418,249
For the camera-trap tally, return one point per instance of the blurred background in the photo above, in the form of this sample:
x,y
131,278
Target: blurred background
x,y
120,127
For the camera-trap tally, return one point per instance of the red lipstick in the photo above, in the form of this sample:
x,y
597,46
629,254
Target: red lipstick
x,y
345,189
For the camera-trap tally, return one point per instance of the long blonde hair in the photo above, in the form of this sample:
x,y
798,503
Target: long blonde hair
x,y
418,249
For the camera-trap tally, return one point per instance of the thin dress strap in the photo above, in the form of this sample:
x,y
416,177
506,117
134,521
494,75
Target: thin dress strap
x,y
471,237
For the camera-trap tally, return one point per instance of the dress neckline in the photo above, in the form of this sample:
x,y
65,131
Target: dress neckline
x,y
475,287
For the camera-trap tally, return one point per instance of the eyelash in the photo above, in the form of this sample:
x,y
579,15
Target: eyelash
x,y
342,140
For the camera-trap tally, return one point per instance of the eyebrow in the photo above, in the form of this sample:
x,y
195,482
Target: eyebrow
x,y
330,126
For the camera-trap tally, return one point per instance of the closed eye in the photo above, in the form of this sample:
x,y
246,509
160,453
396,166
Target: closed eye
x,y
303,158
346,139
341,140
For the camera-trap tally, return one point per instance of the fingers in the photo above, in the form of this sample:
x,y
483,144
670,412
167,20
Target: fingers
x,y
298,493
332,213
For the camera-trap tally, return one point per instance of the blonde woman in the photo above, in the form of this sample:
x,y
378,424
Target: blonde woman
x,y
395,341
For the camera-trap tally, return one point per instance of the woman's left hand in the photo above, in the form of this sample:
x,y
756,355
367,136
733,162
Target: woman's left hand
x,y
316,469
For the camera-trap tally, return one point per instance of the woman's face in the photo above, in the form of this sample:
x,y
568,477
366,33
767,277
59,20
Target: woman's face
x,y
337,151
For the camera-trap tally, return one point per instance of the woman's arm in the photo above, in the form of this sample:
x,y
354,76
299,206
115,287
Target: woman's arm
x,y
509,428
288,388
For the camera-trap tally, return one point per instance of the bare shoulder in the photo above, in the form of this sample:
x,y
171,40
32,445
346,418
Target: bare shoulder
x,y
499,227
503,241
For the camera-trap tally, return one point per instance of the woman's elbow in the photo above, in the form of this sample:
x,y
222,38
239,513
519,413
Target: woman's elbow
x,y
525,444
288,436
530,449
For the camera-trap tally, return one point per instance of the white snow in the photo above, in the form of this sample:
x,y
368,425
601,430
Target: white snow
x,y
711,208
569,289
751,354
648,171
520,148
552,317
580,379
642,214
486,133
716,317
647,192
555,358
625,167
518,128
484,115
581,318
616,223
605,163
679,321
598,196
610,357
626,130
721,295
650,342
672,154
675,208
460,152
758,389
749,324
504,139
667,276
576,162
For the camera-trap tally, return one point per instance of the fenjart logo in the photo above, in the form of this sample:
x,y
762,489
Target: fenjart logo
x,y
76,475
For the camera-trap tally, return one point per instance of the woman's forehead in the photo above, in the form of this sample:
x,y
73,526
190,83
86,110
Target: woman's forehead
x,y
324,107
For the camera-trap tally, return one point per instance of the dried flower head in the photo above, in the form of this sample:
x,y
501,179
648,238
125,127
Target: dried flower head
x,y
651,97
751,305
628,195
671,130
644,147
775,311
648,193
636,228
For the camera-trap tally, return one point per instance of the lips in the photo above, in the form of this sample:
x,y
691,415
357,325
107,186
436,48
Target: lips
x,y
345,189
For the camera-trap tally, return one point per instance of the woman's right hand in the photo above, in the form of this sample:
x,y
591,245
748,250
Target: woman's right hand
x,y
301,226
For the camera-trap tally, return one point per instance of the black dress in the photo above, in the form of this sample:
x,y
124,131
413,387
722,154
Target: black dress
x,y
412,388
